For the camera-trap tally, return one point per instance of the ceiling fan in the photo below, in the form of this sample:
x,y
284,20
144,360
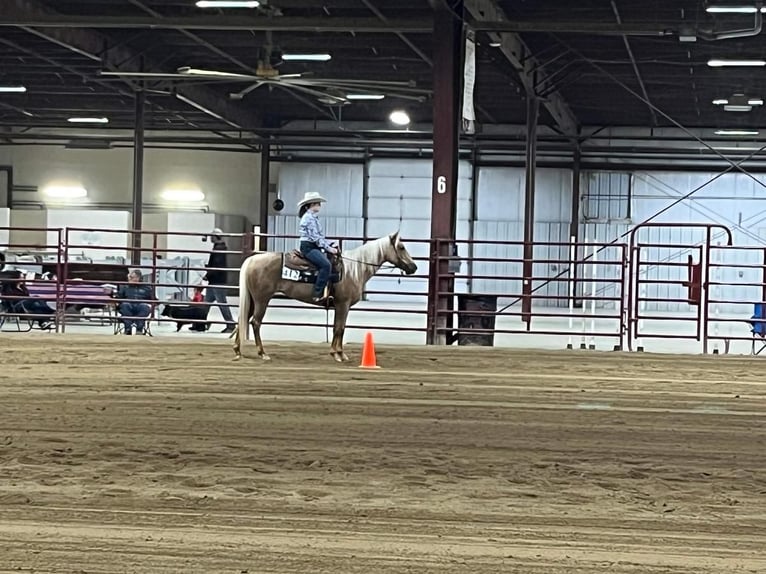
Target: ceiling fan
x,y
329,91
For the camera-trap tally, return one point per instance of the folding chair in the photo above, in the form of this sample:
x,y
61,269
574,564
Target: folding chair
x,y
9,317
758,328
119,326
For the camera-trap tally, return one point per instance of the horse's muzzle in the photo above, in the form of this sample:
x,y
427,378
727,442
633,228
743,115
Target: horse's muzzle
x,y
410,269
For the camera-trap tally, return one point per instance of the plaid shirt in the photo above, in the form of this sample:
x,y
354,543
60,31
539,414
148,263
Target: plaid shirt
x,y
311,230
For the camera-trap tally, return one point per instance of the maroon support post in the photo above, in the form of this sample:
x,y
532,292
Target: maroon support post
x,y
448,82
533,112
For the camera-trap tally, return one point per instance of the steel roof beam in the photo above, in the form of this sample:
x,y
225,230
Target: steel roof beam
x,y
530,72
232,23
91,44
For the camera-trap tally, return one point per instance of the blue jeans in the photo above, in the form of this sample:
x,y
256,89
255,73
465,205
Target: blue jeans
x,y
33,306
218,295
312,253
134,310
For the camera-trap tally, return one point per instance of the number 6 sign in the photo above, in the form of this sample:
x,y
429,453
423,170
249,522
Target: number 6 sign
x,y
441,184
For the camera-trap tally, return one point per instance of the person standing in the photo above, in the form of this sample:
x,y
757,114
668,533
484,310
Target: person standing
x,y
216,278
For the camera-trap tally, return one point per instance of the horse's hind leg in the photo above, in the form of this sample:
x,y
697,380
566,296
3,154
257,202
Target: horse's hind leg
x,y
259,312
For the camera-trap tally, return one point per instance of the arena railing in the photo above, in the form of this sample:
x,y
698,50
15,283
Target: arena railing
x,y
42,259
575,290
736,287
159,255
586,291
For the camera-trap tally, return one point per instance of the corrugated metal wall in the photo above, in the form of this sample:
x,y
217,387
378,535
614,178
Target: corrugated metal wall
x,y
500,217
733,200
341,184
399,198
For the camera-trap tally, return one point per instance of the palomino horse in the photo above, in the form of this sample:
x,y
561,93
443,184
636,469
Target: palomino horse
x,y
264,274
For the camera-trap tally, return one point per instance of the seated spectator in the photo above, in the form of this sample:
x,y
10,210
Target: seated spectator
x,y
135,309
16,299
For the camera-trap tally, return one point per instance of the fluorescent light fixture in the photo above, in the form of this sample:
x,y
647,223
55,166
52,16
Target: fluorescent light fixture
x,y
736,132
12,89
181,195
739,9
306,57
88,120
755,102
719,63
720,102
365,96
228,4
399,117
65,191
495,44
737,108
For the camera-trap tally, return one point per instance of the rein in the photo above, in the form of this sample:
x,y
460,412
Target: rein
x,y
379,265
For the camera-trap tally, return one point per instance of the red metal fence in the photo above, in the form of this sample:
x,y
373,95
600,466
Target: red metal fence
x,y
579,294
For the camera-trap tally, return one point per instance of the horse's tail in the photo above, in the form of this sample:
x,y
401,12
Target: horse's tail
x,y
245,301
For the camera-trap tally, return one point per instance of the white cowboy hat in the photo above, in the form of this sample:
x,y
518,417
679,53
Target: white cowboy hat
x,y
311,197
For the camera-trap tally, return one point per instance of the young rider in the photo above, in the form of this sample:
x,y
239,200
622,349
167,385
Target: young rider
x,y
313,241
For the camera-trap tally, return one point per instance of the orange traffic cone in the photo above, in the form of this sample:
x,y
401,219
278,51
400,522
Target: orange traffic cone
x,y
368,353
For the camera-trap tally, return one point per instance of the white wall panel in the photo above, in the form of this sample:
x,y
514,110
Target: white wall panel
x,y
229,180
95,245
5,221
400,199
500,210
340,184
733,200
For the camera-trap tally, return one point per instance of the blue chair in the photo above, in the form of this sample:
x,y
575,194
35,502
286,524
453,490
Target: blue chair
x,y
758,327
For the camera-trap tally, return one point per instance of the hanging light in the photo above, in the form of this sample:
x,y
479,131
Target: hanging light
x,y
399,117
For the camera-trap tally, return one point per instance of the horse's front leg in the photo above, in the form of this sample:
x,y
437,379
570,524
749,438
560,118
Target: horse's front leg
x,y
339,329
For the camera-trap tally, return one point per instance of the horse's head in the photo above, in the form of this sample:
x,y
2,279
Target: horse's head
x,y
398,256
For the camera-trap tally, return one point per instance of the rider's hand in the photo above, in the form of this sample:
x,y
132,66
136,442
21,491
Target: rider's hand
x,y
331,249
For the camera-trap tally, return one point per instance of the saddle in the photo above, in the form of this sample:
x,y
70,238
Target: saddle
x,y
294,260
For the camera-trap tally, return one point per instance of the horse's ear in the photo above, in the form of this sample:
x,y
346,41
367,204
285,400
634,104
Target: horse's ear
x,y
393,237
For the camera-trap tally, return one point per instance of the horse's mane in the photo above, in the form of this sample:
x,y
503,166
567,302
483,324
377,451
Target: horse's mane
x,y
365,258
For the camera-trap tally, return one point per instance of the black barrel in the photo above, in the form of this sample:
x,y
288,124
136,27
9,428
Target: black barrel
x,y
483,320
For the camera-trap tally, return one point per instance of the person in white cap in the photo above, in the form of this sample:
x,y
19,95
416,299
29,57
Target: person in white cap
x,y
313,241
216,278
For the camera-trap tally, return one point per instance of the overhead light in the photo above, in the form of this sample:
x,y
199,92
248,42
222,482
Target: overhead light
x,y
65,191
399,117
12,89
228,4
736,133
88,120
180,195
365,96
738,103
306,57
718,63
495,44
738,9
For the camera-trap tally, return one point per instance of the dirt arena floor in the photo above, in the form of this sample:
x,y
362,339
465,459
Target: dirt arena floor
x,y
156,456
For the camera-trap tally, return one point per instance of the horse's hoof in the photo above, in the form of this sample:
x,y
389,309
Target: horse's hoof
x,y
265,357
238,357
337,356
345,358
